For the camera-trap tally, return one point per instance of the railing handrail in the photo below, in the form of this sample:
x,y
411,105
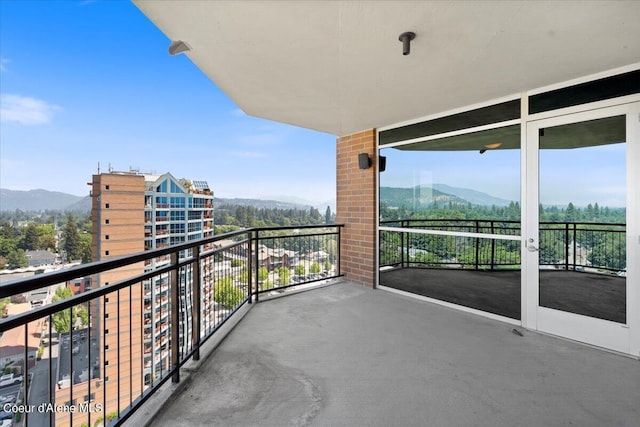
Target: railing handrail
x,y
40,281
500,221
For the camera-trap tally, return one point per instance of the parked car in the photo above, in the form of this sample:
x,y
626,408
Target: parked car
x,y
9,379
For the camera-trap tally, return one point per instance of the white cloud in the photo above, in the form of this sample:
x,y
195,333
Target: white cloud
x,y
3,61
25,110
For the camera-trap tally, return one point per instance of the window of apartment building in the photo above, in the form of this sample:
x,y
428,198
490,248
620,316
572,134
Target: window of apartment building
x,y
90,397
195,236
195,226
195,215
176,202
177,216
161,202
106,252
106,205
196,202
106,237
176,240
106,221
176,228
175,188
70,403
162,188
106,187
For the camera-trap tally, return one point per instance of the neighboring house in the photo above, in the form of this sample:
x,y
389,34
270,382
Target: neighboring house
x,y
275,258
39,258
79,285
12,342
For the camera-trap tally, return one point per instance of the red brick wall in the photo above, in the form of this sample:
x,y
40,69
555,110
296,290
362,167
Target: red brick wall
x,y
356,206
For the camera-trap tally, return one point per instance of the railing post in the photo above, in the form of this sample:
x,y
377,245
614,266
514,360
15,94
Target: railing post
x,y
339,253
256,258
175,317
196,292
493,247
575,253
402,248
477,245
249,268
566,246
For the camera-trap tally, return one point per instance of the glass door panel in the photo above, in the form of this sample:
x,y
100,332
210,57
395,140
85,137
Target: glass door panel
x,y
450,220
576,257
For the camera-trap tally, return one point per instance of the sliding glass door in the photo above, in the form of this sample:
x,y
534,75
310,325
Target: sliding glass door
x,y
450,220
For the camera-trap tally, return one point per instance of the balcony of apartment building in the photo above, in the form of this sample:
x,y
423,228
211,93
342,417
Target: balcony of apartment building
x,y
327,351
370,342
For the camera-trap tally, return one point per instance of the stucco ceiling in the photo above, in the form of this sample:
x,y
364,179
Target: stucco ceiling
x,y
337,66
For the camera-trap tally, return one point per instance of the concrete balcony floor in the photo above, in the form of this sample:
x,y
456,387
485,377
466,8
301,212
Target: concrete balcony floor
x,y
345,355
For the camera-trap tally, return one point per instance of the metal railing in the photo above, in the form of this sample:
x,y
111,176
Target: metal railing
x,y
562,245
95,357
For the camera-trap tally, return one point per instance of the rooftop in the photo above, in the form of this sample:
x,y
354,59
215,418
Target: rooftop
x,y
348,355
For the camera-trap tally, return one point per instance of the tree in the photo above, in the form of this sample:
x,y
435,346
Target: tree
x,y
299,270
85,248
283,275
263,274
62,319
71,239
315,268
226,294
17,259
31,238
327,216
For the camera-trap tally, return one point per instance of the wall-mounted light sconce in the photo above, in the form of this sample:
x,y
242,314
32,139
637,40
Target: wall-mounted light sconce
x,y
364,161
177,47
406,38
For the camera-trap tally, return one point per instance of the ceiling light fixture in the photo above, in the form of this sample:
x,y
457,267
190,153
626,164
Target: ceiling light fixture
x,y
177,47
493,146
406,38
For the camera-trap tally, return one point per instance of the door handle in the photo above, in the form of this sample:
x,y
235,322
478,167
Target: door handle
x,y
531,247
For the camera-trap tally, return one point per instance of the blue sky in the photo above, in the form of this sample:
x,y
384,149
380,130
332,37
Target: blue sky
x,y
88,82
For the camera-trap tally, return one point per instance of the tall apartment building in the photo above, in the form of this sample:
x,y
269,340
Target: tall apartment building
x,y
134,212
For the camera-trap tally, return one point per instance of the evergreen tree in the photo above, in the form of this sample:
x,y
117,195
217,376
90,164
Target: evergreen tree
x,y
71,239
31,238
327,216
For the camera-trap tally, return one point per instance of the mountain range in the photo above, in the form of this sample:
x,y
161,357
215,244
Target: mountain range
x,y
410,197
40,200
440,194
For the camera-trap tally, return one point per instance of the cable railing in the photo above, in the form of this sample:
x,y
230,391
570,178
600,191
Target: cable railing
x,y
574,246
95,357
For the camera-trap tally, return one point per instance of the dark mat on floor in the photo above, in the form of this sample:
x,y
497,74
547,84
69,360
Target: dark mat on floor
x,y
498,292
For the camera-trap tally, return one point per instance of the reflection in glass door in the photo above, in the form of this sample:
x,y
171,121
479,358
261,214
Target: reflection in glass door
x,y
581,243
450,220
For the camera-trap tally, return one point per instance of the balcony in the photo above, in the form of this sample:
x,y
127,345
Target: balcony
x,y
334,354
350,356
